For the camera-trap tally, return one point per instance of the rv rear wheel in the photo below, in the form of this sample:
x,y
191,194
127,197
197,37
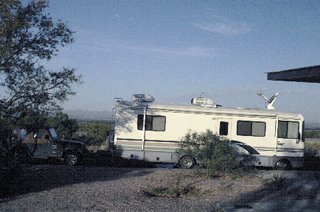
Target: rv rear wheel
x,y
186,162
283,165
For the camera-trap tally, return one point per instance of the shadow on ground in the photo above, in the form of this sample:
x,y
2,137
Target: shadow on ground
x,y
295,190
312,163
40,176
105,159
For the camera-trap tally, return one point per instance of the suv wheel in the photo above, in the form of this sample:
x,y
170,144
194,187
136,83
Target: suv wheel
x,y
72,158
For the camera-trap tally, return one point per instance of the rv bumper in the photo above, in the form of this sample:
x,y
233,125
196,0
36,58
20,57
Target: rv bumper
x,y
271,161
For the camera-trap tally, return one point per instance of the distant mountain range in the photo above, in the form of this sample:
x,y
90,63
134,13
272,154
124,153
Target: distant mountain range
x,y
89,115
312,125
107,115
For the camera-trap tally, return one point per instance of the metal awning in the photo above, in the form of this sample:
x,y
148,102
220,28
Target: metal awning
x,y
306,74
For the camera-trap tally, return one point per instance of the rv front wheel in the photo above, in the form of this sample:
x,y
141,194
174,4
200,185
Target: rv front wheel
x,y
283,165
186,162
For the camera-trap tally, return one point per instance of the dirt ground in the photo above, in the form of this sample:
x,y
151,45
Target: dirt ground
x,y
103,186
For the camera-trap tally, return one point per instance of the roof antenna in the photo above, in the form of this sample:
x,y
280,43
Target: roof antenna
x,y
268,101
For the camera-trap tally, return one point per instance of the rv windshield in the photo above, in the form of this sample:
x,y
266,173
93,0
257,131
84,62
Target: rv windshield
x,y
288,129
53,133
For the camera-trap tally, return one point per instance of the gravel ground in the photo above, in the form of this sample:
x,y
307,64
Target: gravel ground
x,y
85,188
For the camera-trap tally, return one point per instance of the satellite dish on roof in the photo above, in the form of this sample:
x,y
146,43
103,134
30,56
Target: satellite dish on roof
x,y
268,101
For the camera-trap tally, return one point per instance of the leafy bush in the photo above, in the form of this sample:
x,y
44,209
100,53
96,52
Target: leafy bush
x,y
312,134
210,151
278,181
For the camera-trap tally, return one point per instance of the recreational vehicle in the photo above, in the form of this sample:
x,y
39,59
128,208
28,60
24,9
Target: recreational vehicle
x,y
148,131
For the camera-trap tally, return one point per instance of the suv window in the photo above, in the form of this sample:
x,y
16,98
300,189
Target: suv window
x,y
53,133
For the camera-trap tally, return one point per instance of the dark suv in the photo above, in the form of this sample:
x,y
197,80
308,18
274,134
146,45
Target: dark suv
x,y
45,144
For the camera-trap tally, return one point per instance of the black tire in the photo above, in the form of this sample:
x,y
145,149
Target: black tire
x,y
283,165
72,158
186,162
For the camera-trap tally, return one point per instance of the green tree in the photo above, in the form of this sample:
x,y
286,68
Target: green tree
x,y
96,132
29,37
65,126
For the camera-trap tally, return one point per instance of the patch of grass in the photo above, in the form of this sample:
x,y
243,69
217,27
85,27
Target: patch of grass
x,y
226,186
174,189
278,181
312,148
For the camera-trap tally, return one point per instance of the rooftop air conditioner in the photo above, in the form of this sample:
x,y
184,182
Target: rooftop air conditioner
x,y
202,101
142,98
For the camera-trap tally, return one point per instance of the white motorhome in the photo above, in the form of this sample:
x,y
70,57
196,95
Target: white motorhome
x,y
151,132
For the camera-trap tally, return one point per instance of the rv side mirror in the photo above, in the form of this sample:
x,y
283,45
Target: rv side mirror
x,y
110,136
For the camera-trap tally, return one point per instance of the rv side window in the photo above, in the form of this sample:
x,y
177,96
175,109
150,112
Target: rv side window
x,y
251,128
153,123
223,128
288,129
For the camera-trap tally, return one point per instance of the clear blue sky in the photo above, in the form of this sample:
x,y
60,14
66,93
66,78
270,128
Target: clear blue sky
x,y
176,50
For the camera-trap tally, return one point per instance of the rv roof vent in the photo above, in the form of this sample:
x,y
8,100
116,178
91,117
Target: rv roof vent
x,y
142,98
202,101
